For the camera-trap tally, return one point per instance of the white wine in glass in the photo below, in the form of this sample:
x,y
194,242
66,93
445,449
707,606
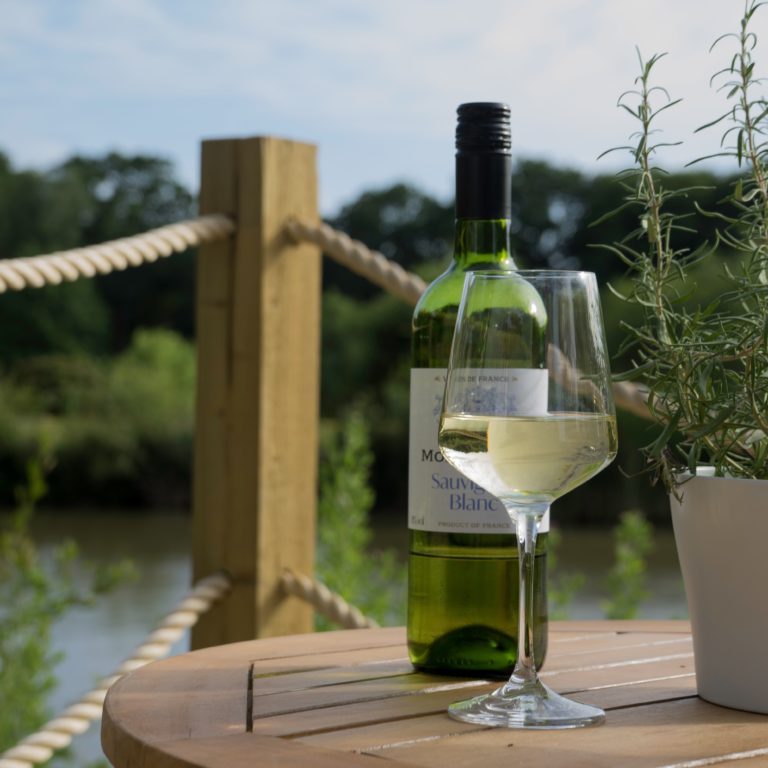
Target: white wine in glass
x,y
528,415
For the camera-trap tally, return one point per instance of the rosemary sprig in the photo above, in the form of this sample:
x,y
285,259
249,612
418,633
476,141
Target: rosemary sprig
x,y
705,368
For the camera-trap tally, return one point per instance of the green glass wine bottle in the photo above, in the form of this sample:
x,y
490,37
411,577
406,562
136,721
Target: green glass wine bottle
x,y
463,567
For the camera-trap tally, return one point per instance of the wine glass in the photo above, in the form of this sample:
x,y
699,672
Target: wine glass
x,y
528,415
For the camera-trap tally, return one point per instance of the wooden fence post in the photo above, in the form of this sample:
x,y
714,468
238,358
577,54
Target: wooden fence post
x,y
258,342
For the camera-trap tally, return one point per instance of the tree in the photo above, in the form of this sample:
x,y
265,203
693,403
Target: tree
x,y
69,318
85,201
548,205
124,195
402,222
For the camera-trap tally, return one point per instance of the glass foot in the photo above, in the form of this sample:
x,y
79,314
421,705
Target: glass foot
x,y
533,705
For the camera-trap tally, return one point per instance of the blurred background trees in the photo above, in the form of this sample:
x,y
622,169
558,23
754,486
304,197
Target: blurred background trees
x,y
105,367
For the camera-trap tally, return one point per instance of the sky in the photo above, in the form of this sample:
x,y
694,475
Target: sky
x,y
374,83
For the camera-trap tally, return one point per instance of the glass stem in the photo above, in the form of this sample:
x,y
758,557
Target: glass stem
x,y
527,523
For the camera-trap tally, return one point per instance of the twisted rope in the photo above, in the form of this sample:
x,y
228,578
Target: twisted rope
x,y
390,276
325,602
358,258
632,398
76,719
54,268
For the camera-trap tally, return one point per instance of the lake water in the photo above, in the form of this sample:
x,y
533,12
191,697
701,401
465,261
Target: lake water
x,y
95,640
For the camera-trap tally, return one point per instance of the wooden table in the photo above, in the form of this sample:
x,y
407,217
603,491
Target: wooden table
x,y
351,698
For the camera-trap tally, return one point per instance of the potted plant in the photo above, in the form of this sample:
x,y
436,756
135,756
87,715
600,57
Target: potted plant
x,y
704,370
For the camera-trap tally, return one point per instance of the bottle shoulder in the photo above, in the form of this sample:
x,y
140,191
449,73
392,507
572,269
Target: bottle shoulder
x,y
446,289
443,291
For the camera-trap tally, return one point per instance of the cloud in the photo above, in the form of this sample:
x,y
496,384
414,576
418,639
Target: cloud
x,y
375,84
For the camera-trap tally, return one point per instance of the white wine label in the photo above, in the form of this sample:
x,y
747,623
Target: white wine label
x,y
439,497
499,391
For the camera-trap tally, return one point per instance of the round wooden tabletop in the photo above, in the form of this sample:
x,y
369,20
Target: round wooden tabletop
x,y
351,698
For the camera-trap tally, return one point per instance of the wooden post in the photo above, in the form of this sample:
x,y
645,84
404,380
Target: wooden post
x,y
258,341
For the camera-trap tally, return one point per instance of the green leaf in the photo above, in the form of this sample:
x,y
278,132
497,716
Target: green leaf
x,y
656,448
713,425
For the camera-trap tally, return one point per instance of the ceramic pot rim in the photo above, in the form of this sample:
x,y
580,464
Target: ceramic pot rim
x,y
705,475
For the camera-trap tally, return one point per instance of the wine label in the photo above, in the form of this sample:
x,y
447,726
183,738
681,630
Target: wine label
x,y
499,391
440,498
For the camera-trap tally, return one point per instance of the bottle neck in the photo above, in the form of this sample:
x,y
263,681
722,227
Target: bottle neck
x,y
483,185
483,210
483,244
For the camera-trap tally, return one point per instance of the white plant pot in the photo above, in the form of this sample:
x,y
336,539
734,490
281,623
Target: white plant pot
x,y
721,531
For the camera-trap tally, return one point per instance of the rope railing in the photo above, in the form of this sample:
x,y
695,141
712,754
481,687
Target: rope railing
x,y
54,268
358,258
389,275
57,734
325,602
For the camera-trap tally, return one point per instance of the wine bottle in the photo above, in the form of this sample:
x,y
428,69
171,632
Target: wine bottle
x,y
463,569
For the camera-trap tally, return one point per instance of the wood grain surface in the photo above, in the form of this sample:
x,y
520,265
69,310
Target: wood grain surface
x,y
352,698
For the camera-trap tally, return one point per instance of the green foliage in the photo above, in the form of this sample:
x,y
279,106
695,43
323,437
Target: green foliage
x,y
373,581
362,342
400,221
154,381
29,601
121,428
562,587
365,359
133,436
633,538
54,341
67,319
705,364
548,206
34,592
626,582
82,202
118,196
